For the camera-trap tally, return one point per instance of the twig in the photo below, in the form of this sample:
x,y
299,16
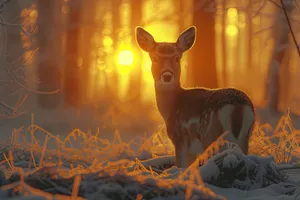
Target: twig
x,y
290,26
3,4
275,3
288,167
261,7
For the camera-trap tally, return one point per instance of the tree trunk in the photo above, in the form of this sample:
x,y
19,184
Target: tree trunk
x,y
249,30
204,63
11,50
224,64
185,19
86,46
116,30
49,64
72,71
135,79
278,70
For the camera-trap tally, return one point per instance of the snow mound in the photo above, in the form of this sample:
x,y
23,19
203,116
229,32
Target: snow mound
x,y
155,178
101,169
122,179
233,169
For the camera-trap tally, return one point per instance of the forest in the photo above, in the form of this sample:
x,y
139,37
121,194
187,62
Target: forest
x,y
78,100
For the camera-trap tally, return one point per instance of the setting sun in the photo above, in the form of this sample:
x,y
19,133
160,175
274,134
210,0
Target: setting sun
x,y
125,57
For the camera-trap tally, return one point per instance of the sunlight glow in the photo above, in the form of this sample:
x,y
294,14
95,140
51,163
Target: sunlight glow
x,y
232,12
107,41
116,56
33,14
125,69
231,37
169,34
231,30
219,45
125,57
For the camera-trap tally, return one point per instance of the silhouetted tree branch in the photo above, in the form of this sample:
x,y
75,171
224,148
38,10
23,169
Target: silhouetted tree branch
x,y
15,82
3,3
290,26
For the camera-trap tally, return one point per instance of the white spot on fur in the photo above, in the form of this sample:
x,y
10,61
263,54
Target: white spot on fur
x,y
224,116
209,126
188,123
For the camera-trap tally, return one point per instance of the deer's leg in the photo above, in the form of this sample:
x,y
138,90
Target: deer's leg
x,y
177,156
181,154
238,121
247,128
195,148
191,158
224,115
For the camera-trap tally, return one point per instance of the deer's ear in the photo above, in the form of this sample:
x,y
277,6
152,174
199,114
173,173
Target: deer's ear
x,y
144,39
187,39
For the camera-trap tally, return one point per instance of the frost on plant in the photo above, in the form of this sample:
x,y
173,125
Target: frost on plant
x,y
29,167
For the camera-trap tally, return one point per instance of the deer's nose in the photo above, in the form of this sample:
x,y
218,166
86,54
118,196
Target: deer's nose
x,y
167,77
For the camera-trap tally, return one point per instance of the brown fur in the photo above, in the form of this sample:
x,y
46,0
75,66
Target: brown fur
x,y
194,115
203,101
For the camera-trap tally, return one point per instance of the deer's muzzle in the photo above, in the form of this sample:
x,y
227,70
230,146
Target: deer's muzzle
x,y
167,77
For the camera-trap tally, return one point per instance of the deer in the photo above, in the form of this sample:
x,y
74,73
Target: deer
x,y
194,117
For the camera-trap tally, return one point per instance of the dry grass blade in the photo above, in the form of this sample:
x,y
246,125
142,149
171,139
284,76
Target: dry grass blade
x,y
100,167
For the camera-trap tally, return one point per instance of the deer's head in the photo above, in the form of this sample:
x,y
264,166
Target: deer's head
x,y
165,56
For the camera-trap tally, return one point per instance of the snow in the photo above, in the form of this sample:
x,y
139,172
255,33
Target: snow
x,y
115,185
272,192
123,169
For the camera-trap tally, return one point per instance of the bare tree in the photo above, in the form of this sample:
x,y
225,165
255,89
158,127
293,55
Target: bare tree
x,y
14,83
72,69
278,70
135,79
204,70
277,86
86,46
50,64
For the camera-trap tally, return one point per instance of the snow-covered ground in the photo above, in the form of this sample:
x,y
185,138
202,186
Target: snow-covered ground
x,y
228,175
132,166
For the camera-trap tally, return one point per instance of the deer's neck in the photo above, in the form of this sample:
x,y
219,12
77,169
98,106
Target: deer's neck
x,y
166,101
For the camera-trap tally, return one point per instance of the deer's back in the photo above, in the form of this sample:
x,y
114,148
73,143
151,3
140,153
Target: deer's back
x,y
199,111
201,99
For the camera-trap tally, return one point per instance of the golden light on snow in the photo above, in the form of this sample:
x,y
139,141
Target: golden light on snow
x,y
125,58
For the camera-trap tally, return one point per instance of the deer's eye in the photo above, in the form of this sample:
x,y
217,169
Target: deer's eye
x,y
154,59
